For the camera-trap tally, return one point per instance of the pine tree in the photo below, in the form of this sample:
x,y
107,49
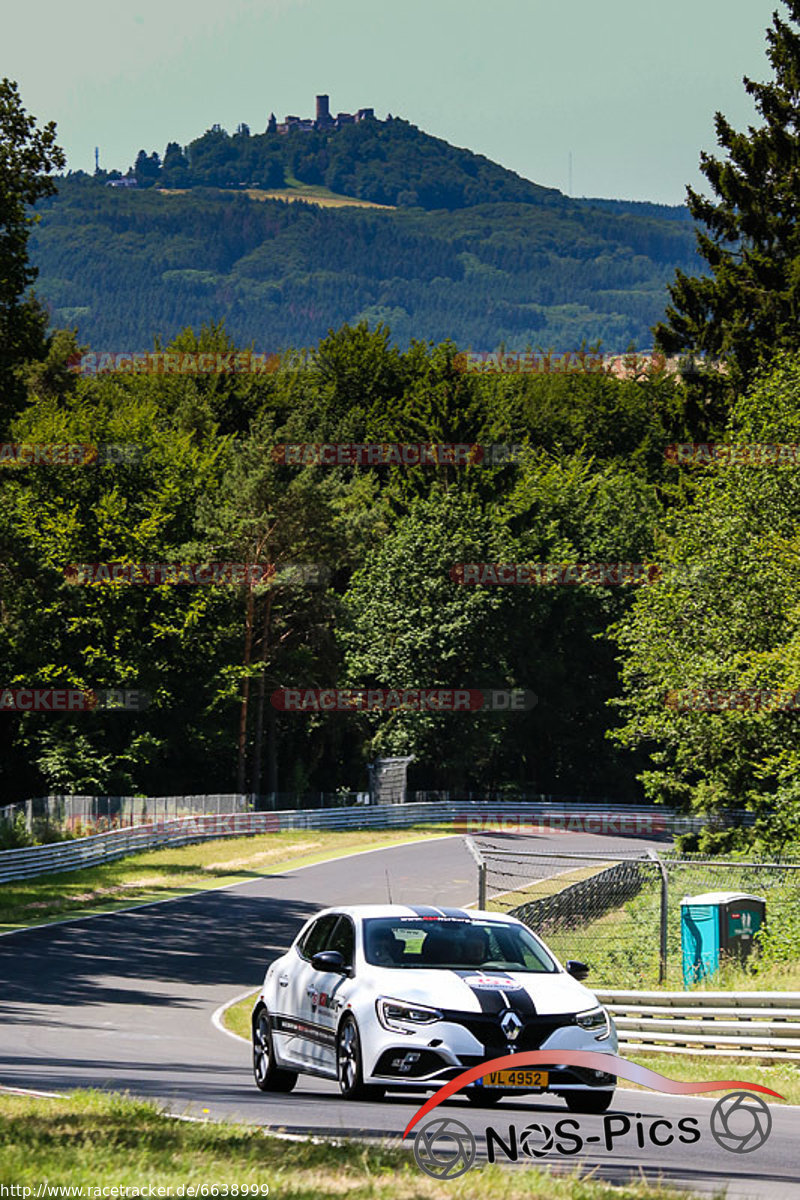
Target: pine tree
x,y
27,155
749,304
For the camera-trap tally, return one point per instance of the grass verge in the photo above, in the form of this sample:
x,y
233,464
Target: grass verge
x,y
782,1077
237,1017
172,872
92,1140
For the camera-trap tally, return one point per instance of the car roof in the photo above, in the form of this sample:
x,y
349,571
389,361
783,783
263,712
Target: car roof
x,y
422,911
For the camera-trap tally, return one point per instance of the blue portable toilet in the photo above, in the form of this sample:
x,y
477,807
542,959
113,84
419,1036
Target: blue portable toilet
x,y
715,923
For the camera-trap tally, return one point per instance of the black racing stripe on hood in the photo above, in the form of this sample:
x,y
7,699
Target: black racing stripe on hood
x,y
456,912
489,999
425,910
497,1000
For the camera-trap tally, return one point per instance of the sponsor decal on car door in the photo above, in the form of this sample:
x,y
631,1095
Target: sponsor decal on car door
x,y
294,1022
323,1000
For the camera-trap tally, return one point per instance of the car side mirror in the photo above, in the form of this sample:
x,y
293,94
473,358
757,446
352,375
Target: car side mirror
x,y
575,968
330,960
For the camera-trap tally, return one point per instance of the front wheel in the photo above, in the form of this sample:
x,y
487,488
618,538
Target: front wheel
x,y
350,1064
268,1076
588,1102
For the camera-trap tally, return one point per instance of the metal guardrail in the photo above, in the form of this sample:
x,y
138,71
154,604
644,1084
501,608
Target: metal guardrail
x,y
762,1025
464,816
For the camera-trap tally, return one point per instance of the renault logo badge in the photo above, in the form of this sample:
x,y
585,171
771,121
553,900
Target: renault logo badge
x,y
510,1025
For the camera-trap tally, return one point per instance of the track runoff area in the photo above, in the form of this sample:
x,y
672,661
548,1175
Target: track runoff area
x,y
124,1001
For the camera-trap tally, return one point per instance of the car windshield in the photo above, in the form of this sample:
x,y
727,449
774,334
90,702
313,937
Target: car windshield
x,y
451,944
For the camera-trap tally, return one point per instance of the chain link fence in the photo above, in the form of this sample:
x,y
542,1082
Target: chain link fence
x,y
49,818
621,913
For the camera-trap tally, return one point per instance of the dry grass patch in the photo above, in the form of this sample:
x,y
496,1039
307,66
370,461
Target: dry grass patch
x,y
261,857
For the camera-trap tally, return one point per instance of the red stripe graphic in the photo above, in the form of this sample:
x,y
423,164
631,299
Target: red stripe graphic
x,y
598,1061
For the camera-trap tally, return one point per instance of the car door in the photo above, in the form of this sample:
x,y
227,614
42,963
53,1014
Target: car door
x,y
325,995
292,1018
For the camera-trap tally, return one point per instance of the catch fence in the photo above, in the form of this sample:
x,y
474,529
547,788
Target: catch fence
x,y
620,913
49,815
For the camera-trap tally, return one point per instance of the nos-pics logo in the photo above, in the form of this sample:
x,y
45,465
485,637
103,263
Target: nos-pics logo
x,y
446,1148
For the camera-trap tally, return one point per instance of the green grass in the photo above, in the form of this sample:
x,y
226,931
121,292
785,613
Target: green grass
x,y
237,1017
95,1140
169,873
782,1077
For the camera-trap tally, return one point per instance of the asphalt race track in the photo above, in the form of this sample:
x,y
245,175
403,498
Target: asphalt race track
x,y
125,1001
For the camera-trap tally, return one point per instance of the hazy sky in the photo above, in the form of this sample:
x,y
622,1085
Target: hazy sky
x,y
629,86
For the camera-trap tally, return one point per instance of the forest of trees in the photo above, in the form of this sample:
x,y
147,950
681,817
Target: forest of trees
x,y
596,483
125,266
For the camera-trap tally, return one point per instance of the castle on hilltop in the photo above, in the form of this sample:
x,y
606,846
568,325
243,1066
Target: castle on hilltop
x,y
323,120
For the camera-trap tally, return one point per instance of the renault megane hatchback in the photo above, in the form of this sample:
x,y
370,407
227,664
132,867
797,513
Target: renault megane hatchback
x,y
406,997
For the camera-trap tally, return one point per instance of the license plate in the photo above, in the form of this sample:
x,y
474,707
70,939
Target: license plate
x,y
516,1079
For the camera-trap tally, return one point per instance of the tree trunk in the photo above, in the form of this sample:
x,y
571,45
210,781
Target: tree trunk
x,y
272,751
248,647
261,691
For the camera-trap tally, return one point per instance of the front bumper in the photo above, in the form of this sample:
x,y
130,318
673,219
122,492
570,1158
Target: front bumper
x,y
465,1040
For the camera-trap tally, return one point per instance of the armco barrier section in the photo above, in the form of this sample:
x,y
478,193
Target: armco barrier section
x,y
463,816
746,1024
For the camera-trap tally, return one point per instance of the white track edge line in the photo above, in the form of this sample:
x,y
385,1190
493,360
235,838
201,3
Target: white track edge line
x,y
15,1091
218,1013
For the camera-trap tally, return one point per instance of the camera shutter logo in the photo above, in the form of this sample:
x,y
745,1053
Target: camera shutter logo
x,y
536,1140
740,1122
444,1148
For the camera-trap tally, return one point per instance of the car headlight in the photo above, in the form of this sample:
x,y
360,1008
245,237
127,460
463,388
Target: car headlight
x,y
397,1014
595,1020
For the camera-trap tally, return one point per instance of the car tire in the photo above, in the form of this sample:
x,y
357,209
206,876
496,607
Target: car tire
x,y
589,1102
350,1065
268,1076
484,1097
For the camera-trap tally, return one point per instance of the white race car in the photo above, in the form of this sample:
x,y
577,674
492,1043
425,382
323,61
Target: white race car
x,y
406,997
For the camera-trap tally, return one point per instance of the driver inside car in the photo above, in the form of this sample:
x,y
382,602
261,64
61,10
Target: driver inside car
x,y
474,947
385,948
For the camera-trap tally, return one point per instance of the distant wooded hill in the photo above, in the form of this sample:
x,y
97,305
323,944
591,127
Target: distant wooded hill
x,y
471,252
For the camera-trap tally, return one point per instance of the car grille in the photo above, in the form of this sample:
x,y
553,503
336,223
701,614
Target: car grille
x,y
486,1028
